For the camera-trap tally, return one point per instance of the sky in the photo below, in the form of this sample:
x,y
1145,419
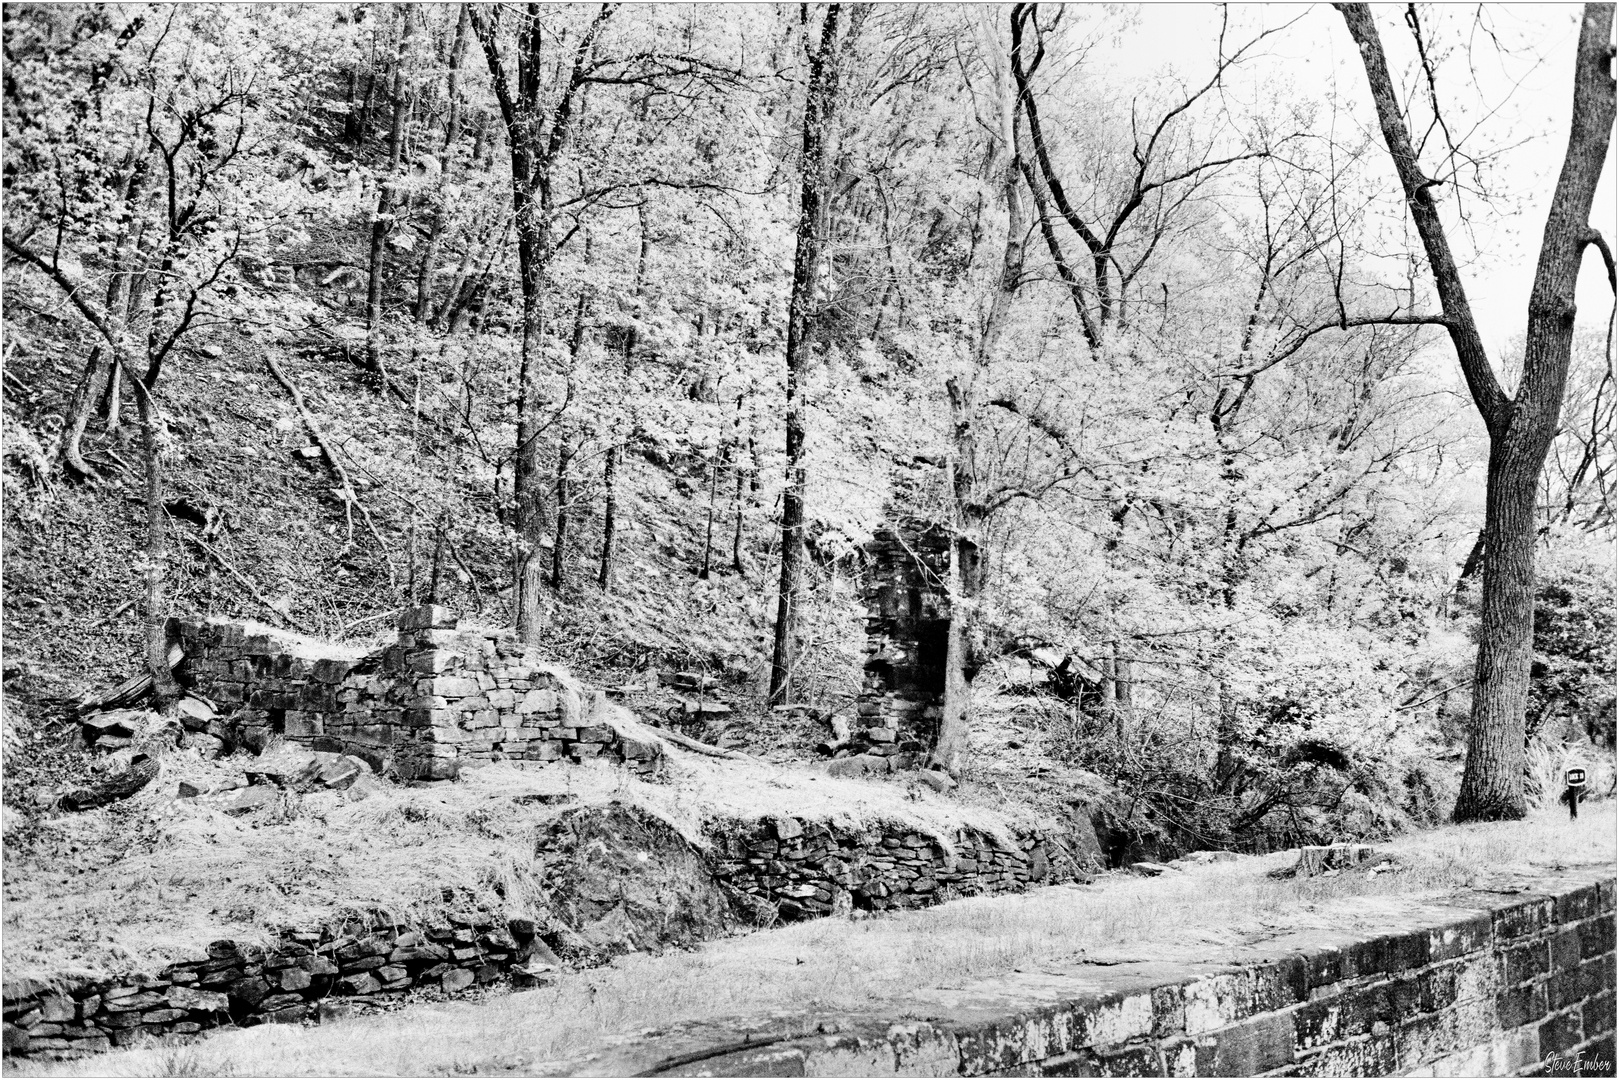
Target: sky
x,y
1526,81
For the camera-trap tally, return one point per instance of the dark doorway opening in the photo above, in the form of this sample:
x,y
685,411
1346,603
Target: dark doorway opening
x,y
932,650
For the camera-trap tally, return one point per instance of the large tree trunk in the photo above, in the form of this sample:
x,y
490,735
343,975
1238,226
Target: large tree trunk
x,y
823,88
966,565
387,199
528,481
1492,779
1521,427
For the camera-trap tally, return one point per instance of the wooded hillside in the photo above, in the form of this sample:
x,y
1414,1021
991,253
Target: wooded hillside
x,y
631,326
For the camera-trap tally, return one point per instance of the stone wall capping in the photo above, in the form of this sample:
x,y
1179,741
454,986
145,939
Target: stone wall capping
x,y
1392,1009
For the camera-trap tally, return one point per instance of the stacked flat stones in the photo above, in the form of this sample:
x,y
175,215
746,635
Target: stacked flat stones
x,y
440,698
902,691
806,869
316,974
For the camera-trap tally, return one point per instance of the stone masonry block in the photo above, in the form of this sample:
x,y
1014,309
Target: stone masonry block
x,y
1254,1046
1459,938
1523,919
537,701
1576,904
1520,963
1560,1032
431,661
427,617
450,686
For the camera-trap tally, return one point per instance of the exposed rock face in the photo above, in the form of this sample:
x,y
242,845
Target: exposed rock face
x,y
621,880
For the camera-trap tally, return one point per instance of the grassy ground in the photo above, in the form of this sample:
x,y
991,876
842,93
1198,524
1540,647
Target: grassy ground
x,y
843,963
138,884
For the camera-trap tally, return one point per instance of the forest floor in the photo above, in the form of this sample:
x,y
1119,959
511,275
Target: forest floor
x,y
847,963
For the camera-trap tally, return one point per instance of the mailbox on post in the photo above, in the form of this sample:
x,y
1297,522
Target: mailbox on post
x,y
1574,780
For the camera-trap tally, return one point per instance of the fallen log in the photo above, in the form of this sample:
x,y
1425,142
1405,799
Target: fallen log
x,y
121,696
142,771
131,690
704,748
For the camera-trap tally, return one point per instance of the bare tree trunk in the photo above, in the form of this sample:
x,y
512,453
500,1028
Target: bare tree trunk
x,y
99,368
438,560
604,576
736,535
527,483
351,119
165,690
823,84
471,280
566,442
387,198
452,131
1521,428
708,533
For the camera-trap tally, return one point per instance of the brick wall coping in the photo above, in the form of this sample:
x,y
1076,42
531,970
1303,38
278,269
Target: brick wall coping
x,y
1481,982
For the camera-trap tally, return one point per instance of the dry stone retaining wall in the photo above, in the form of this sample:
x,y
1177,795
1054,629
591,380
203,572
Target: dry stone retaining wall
x,y
807,869
439,698
315,974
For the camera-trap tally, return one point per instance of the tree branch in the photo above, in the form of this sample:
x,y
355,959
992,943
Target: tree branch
x,y
1492,402
95,318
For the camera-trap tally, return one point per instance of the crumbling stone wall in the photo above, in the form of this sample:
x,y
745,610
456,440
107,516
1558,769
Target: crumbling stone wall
x,y
439,698
321,973
908,618
806,869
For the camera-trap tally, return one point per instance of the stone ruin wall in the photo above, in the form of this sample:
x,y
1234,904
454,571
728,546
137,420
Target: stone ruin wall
x,y
807,869
908,615
320,973
439,698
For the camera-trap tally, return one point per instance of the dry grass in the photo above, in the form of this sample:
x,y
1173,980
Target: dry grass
x,y
844,964
145,882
